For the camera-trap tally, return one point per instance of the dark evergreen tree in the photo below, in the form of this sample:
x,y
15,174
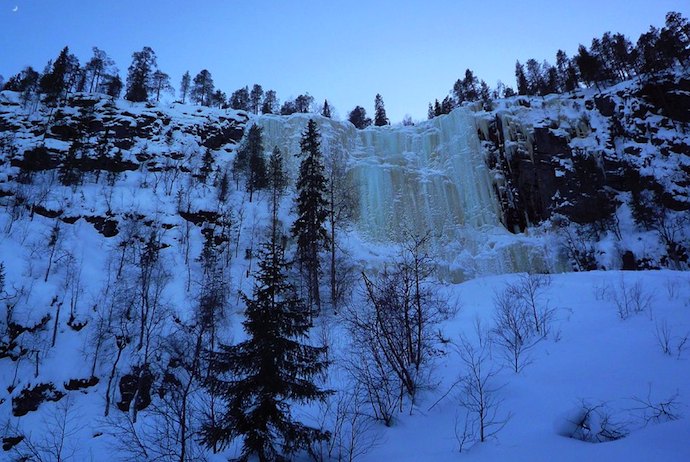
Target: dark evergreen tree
x,y
485,95
309,228
471,86
270,103
256,178
380,118
535,77
54,82
521,79
249,161
113,87
219,99
97,68
678,31
255,98
239,99
160,82
277,177
447,105
139,75
623,56
326,110
261,377
438,108
358,118
303,103
202,88
589,66
206,168
288,108
185,84
277,182
550,79
430,114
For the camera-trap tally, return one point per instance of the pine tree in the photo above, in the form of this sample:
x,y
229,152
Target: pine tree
x,y
261,377
202,88
160,81
303,103
380,118
309,228
139,75
97,68
219,99
521,79
184,86
270,103
255,98
239,99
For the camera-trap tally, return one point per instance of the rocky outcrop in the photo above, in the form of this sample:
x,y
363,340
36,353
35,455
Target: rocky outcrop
x,y
571,155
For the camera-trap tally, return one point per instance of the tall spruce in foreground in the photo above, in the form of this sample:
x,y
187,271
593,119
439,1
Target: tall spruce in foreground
x,y
309,227
260,378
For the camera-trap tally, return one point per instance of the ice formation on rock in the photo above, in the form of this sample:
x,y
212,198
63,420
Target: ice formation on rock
x,y
428,177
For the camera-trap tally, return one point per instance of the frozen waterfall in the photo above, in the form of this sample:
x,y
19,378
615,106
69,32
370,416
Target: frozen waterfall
x,y
427,177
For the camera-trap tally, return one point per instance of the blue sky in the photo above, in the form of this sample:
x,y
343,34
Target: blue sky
x,y
409,51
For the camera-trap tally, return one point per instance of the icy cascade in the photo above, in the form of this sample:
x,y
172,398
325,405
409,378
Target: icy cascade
x,y
427,177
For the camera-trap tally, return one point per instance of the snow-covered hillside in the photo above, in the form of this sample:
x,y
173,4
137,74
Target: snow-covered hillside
x,y
117,220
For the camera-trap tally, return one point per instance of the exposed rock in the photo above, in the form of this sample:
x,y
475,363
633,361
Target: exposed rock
x,y
80,384
105,226
31,398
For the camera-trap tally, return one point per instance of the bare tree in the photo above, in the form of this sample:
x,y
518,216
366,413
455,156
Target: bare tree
x,y
340,206
512,331
480,394
404,309
530,290
59,442
353,431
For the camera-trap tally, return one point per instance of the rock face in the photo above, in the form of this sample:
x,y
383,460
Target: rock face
x,y
92,138
573,155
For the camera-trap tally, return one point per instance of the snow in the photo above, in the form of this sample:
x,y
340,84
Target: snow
x,y
437,172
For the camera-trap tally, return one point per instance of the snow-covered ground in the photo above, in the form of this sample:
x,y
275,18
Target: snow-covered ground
x,y
591,357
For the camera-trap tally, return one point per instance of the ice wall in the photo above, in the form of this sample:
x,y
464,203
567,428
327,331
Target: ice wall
x,y
427,177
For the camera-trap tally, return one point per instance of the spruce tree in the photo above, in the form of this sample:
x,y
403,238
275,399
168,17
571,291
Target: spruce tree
x,y
261,377
249,161
521,79
202,88
53,82
326,111
309,227
380,118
